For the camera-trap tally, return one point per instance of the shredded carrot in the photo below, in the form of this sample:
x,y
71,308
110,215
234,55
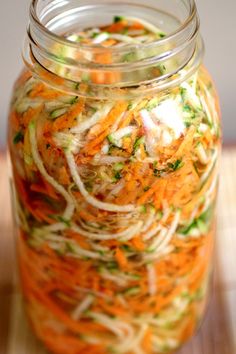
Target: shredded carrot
x,y
37,90
63,177
41,213
87,216
30,114
120,257
186,144
109,42
80,239
137,26
116,310
45,188
68,119
68,344
147,341
94,145
116,27
107,121
158,185
138,243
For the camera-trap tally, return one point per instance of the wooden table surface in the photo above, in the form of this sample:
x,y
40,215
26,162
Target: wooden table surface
x,y
218,333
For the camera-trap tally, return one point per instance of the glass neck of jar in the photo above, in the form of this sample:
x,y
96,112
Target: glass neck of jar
x,y
132,70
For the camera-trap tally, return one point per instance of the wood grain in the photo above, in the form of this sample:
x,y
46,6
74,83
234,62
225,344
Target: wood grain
x,y
218,332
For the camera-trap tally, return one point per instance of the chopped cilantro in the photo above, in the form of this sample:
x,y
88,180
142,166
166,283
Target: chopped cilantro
x,y
129,57
88,186
187,124
158,172
143,209
58,112
125,30
18,137
60,252
183,93
101,252
111,265
95,34
152,104
118,19
118,166
187,108
138,142
162,69
175,165
171,166
132,291
146,188
85,77
77,85
201,223
117,176
67,222
126,248
70,247
74,100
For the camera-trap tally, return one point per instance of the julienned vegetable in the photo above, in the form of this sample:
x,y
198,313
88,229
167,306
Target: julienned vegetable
x,y
115,203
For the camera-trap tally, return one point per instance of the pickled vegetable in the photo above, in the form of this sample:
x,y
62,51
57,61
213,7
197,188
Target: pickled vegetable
x,y
115,203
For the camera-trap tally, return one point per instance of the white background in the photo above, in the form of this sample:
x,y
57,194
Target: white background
x,y
218,27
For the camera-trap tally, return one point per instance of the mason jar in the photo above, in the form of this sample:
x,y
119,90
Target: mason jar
x,y
114,138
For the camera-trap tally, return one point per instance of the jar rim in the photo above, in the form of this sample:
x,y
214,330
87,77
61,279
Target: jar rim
x,y
64,41
75,62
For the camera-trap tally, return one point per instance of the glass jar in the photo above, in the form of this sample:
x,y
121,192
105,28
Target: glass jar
x,y
114,138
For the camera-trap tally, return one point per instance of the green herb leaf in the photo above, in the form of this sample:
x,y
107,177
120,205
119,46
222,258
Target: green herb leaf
x,y
18,137
162,69
183,93
126,248
143,209
112,266
70,247
187,108
117,176
132,291
95,34
125,30
60,218
130,106
118,19
146,188
152,104
118,166
202,223
111,139
138,142
176,165
76,86
158,172
58,112
74,100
